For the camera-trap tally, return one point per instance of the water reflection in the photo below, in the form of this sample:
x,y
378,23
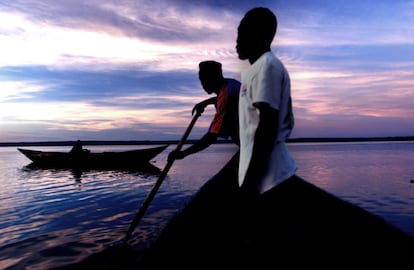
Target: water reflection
x,y
77,173
79,210
52,217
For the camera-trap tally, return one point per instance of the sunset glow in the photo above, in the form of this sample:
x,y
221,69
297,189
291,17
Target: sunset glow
x,y
108,70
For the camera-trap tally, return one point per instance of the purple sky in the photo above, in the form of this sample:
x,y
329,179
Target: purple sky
x,y
127,70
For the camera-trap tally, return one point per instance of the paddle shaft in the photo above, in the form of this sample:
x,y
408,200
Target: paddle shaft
x,y
158,183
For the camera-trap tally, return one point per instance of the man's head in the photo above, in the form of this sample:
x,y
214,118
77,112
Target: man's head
x,y
256,32
211,76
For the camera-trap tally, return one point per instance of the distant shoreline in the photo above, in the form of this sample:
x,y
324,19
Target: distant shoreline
x,y
154,142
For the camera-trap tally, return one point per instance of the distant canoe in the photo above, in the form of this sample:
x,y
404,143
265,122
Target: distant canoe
x,y
88,159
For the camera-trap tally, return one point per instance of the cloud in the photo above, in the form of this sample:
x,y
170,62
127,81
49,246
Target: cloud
x,y
328,23
16,90
98,67
92,35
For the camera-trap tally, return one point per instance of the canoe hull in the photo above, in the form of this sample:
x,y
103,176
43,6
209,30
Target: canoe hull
x,y
122,159
293,226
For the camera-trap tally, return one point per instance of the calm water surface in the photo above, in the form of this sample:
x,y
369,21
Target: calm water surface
x,y
56,217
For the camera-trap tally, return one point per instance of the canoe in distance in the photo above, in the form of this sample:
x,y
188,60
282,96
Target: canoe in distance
x,y
86,159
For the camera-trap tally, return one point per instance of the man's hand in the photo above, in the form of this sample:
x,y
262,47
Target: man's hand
x,y
199,108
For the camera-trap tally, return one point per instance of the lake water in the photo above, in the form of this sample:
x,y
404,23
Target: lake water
x,y
50,217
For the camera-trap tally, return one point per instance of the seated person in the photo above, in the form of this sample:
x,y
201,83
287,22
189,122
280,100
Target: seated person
x,y
78,148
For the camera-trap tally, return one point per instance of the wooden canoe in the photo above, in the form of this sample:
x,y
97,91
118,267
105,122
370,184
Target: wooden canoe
x,y
88,159
293,226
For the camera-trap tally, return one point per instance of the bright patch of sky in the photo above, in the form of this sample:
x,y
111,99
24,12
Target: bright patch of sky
x,y
127,70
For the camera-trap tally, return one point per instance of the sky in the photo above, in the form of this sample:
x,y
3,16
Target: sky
x,y
128,70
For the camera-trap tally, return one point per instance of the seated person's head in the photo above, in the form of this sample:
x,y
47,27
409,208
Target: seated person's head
x,y
211,76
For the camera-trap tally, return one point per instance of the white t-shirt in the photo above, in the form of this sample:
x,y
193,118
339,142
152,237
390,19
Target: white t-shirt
x,y
266,80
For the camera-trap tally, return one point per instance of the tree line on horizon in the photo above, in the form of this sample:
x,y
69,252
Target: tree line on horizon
x,y
220,141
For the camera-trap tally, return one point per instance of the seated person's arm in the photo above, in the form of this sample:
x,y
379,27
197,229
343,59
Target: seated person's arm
x,y
199,107
201,144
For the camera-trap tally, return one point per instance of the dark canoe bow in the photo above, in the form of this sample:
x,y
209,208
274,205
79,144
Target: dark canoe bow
x,y
292,226
296,225
88,159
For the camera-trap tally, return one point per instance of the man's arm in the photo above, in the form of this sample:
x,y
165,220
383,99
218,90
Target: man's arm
x,y
264,140
205,141
199,107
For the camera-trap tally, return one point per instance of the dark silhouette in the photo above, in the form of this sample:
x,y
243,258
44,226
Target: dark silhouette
x,y
78,148
226,119
266,116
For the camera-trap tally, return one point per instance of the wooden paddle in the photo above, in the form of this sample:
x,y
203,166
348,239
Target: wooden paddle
x,y
158,183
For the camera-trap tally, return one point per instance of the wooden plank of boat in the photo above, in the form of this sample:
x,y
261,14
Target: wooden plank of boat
x,y
295,225
89,159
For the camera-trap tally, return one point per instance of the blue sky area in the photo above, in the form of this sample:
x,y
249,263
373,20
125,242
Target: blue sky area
x,y
127,70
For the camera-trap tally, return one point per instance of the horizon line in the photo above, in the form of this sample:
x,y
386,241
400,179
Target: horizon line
x,y
219,141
